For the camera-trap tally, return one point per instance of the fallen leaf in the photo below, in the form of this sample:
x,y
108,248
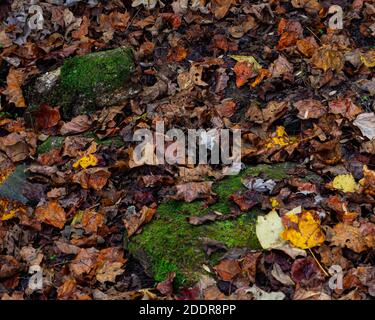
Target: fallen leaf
x,y
280,67
357,239
9,266
191,191
51,213
268,230
345,183
260,294
15,80
307,46
244,71
328,59
109,264
92,220
310,109
247,199
86,161
46,117
133,220
303,231
78,124
344,107
220,8
228,269
95,178
368,59
366,123
84,262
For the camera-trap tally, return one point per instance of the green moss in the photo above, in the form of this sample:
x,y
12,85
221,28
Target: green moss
x,y
86,82
97,72
50,143
170,243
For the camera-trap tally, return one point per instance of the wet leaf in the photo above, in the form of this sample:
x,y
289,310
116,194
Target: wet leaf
x,y
51,213
268,230
15,80
303,231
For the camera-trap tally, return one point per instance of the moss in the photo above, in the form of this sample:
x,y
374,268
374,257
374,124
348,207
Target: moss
x,y
98,72
50,143
87,83
170,243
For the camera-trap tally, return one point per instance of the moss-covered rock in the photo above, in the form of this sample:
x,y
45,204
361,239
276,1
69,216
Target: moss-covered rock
x,y
52,142
170,243
86,83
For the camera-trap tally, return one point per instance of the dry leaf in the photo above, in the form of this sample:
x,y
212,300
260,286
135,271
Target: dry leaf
x,y
15,80
303,231
328,59
51,213
95,178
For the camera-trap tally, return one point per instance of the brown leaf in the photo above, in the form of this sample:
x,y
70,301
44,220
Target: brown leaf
x,y
280,67
166,287
220,7
344,107
9,266
68,291
84,262
228,269
307,46
15,80
95,178
246,200
191,191
109,264
51,213
328,59
357,239
77,125
46,117
309,109
92,220
134,220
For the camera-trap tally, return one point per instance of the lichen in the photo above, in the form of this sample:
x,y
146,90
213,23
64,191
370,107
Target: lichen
x,y
170,243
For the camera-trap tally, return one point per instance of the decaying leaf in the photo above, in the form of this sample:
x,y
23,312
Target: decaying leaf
x,y
95,178
357,239
303,230
328,59
345,183
51,213
15,80
194,190
268,230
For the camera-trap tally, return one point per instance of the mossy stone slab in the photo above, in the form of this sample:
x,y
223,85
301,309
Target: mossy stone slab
x,y
170,243
86,83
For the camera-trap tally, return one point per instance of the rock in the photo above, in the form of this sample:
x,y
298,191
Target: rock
x,y
11,188
170,244
86,83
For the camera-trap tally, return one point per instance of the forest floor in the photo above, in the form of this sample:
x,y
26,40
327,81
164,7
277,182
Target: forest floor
x,y
81,219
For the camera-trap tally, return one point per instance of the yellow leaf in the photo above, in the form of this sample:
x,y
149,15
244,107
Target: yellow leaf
x,y
345,182
368,59
280,139
304,231
86,161
9,209
249,59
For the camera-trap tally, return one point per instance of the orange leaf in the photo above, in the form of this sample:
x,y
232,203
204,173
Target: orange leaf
x,y
51,213
14,92
244,71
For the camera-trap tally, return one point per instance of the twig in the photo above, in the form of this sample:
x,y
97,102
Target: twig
x,y
320,266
